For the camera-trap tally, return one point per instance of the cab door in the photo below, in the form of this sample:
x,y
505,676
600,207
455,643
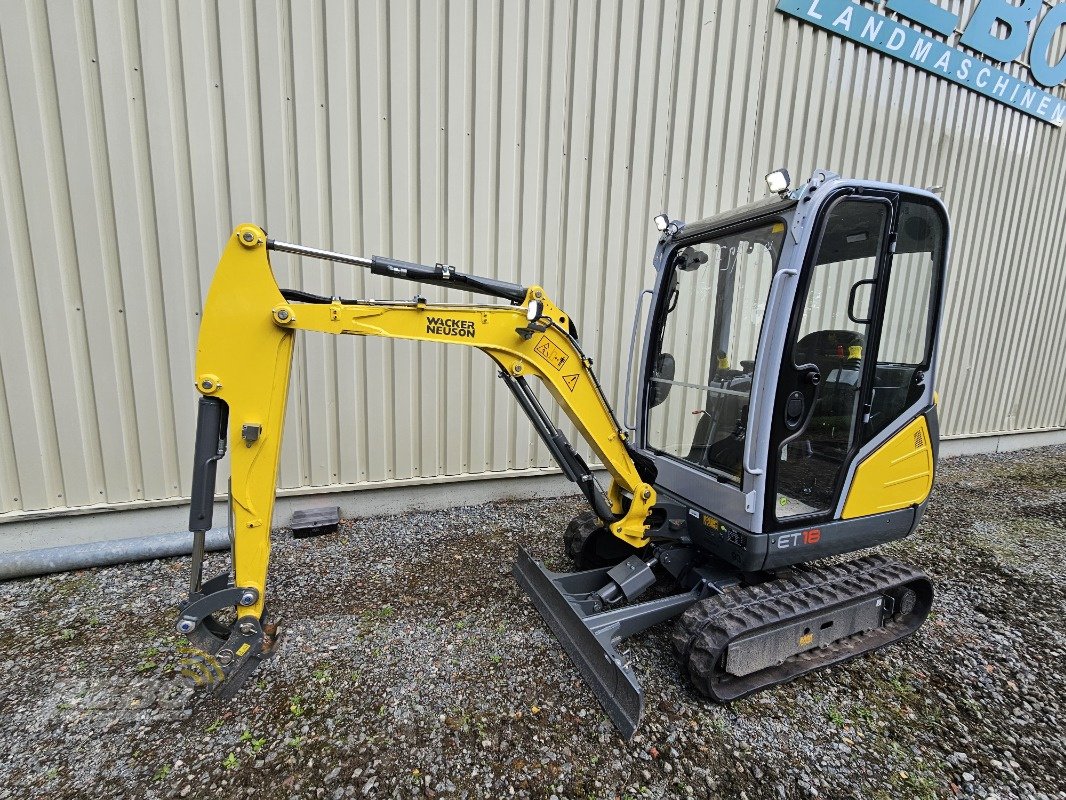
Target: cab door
x,y
856,364
711,298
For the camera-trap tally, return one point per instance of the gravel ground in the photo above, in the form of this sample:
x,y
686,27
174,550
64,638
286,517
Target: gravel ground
x,y
412,666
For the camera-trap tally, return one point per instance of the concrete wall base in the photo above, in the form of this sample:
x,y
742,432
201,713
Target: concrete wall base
x,y
90,526
1000,443
108,525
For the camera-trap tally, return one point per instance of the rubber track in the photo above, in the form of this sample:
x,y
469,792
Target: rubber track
x,y
705,630
590,545
578,532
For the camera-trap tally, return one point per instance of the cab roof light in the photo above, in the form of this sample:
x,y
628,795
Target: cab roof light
x,y
779,181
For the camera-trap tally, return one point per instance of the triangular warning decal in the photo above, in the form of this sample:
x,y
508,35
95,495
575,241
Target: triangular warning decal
x,y
570,381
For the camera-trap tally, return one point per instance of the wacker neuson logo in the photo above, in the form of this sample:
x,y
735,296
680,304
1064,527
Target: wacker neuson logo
x,y
998,29
450,327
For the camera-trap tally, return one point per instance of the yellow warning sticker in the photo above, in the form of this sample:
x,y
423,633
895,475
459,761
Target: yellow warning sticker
x,y
571,381
243,649
550,353
806,639
780,226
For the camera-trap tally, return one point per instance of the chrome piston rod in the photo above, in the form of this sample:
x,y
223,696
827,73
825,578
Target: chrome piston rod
x,y
314,252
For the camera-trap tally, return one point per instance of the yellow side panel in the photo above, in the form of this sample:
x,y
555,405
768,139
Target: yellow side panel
x,y
896,475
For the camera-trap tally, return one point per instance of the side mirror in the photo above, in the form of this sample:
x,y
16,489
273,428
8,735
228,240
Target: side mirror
x,y
663,369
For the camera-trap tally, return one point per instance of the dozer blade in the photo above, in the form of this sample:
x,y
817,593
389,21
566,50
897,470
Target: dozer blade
x,y
600,664
590,636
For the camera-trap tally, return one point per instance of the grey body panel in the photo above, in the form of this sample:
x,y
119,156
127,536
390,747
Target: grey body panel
x,y
785,548
693,486
751,552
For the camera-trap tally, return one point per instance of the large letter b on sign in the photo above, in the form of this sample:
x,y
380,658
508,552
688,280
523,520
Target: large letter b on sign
x,y
979,32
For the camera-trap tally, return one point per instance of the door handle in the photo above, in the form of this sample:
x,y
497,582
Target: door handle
x,y
798,410
851,301
795,407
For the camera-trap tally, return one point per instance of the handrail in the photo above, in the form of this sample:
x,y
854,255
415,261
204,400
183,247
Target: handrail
x,y
629,363
753,402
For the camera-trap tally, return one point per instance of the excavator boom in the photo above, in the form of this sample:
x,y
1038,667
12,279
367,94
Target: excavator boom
x,y
243,364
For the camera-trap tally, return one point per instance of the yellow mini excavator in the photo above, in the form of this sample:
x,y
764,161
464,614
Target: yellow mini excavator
x,y
785,414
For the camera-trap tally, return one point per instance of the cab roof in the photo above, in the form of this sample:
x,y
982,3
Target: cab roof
x,y
774,204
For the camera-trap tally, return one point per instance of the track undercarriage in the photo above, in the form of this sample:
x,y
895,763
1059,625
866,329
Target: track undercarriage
x,y
737,633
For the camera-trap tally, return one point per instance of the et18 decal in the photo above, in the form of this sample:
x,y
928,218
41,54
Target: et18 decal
x,y
799,538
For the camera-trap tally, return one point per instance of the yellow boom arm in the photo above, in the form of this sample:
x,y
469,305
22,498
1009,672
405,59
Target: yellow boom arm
x,y
243,359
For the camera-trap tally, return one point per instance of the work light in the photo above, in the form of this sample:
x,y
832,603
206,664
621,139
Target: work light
x,y
778,181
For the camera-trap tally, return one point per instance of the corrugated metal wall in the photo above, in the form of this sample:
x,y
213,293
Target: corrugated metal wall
x,y
528,140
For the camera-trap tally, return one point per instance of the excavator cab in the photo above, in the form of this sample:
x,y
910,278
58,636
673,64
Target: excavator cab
x,y
785,413
800,334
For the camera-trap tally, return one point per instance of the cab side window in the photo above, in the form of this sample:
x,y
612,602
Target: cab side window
x,y
906,336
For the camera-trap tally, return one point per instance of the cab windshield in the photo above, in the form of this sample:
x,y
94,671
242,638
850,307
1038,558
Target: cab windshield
x,y
700,380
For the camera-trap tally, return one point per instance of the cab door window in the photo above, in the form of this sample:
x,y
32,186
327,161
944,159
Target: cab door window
x,y
822,379
910,303
701,373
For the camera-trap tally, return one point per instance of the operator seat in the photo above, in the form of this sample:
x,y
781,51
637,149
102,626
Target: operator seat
x,y
829,430
828,349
